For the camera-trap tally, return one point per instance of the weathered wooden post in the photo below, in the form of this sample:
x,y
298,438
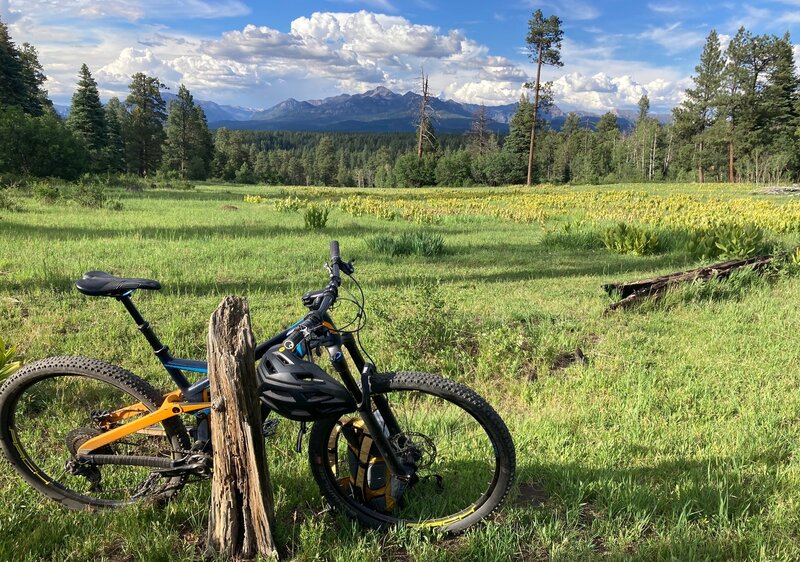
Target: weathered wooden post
x,y
242,510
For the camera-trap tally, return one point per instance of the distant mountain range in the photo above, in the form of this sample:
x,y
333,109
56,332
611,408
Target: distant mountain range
x,y
376,111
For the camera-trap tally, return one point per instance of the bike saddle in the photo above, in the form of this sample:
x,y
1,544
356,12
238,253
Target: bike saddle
x,y
102,284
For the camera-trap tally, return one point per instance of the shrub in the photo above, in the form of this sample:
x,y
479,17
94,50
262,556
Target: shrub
x,y
727,241
90,196
628,239
289,204
417,243
316,216
497,168
739,241
411,171
7,203
94,196
454,169
257,199
427,332
46,192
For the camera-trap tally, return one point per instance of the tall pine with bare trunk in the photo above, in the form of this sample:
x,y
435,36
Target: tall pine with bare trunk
x,y
544,48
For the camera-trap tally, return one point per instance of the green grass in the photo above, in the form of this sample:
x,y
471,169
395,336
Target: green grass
x,y
677,440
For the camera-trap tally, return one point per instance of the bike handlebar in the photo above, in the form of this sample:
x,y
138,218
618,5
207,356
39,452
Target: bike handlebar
x,y
329,296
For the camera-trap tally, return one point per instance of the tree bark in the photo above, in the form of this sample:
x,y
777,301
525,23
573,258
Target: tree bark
x,y
731,171
535,115
700,173
242,506
423,114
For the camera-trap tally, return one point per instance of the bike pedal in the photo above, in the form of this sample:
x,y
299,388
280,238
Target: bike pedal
x,y
270,427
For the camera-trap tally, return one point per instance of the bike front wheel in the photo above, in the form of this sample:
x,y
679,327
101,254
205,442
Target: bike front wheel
x,y
464,455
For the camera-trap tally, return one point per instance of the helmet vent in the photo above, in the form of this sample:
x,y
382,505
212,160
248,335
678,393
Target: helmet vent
x,y
283,359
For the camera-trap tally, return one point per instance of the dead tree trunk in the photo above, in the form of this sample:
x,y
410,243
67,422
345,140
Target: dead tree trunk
x,y
424,133
242,513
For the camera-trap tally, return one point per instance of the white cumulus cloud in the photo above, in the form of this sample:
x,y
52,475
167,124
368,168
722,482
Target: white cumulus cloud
x,y
326,53
601,92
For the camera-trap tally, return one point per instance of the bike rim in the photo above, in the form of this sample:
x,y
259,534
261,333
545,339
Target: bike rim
x,y
54,413
466,460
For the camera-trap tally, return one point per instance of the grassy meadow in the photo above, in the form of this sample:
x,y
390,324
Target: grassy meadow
x,y
677,437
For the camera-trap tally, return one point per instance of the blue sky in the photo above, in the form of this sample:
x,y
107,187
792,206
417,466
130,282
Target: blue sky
x,y
258,53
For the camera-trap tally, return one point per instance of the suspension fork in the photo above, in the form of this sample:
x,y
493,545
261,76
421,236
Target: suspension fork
x,y
380,401
365,400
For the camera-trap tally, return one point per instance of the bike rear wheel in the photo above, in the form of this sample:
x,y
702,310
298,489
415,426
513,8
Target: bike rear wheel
x,y
467,458
50,407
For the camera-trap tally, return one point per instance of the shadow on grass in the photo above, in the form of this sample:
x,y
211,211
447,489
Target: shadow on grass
x,y
221,195
676,504
168,234
479,264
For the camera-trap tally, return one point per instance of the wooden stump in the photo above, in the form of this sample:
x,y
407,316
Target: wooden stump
x,y
242,512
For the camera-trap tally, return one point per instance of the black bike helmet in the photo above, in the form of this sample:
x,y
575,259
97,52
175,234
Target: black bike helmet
x,y
300,390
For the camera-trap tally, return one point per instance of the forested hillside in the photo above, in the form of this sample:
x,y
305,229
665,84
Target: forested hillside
x,y
740,121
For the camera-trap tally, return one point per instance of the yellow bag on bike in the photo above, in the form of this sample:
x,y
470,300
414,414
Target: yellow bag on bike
x,y
369,478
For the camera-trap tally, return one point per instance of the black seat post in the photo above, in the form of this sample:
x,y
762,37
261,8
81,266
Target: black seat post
x,y
161,350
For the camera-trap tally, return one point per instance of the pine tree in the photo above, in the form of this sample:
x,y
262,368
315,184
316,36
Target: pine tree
x,y
325,162
749,58
87,118
426,135
188,148
519,135
699,110
571,124
544,47
607,124
115,118
36,100
12,83
644,107
144,130
780,106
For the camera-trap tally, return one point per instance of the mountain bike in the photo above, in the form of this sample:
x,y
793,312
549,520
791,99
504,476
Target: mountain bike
x,y
400,448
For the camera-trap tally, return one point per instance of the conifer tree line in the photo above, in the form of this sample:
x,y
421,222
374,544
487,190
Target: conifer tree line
x,y
139,135
739,121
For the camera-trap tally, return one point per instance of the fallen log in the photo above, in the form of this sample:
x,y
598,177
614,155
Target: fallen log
x,y
633,292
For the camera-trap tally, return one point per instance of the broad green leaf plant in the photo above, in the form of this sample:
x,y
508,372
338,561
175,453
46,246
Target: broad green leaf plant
x,y
9,361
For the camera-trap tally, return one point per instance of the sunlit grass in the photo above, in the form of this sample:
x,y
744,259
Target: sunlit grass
x,y
678,439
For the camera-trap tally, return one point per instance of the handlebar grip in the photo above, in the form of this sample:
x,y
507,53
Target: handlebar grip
x,y
293,339
334,250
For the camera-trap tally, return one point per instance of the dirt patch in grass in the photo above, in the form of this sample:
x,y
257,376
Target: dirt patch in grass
x,y
566,359
530,494
114,551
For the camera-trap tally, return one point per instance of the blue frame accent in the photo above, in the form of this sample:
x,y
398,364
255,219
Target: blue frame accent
x,y
186,365
193,392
